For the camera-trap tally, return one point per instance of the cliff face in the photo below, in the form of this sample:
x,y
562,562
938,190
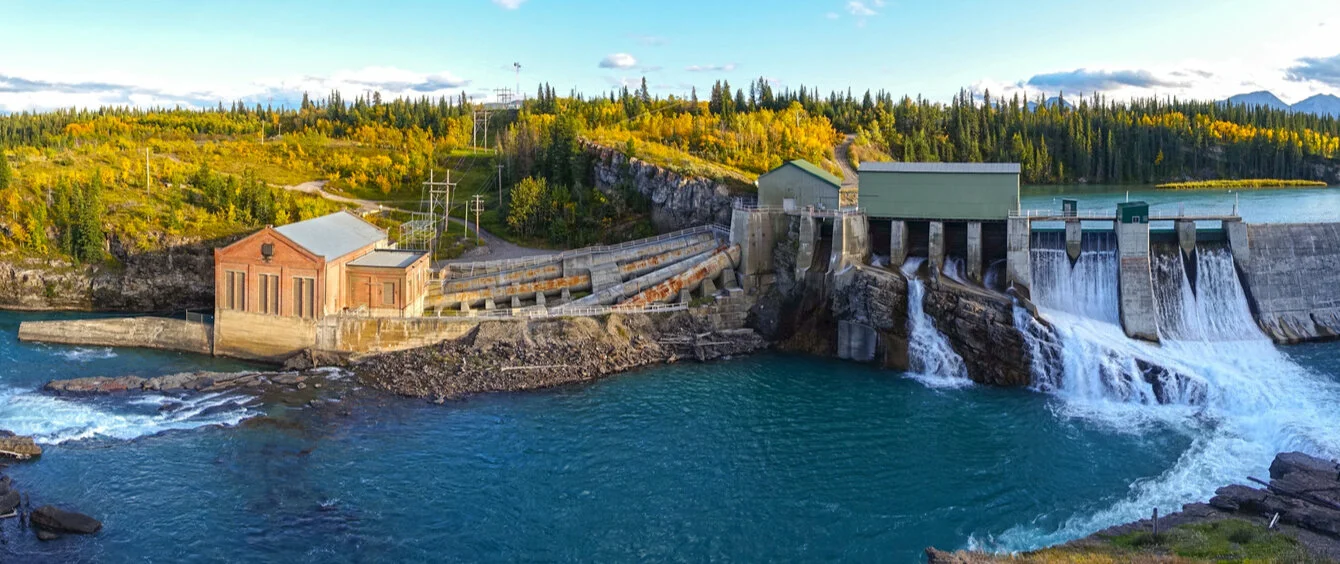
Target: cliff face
x,y
180,277
678,201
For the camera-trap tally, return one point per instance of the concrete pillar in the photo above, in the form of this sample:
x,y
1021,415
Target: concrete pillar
x,y
685,298
756,234
1074,237
1136,283
708,288
809,237
1238,242
728,279
898,243
539,298
1018,265
1186,236
489,305
516,302
565,296
937,246
975,251
465,307
851,242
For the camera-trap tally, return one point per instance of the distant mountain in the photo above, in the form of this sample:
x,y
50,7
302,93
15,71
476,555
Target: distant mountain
x,y
1052,102
1262,98
1321,104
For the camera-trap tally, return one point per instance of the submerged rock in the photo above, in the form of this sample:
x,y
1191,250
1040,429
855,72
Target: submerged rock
x,y
56,520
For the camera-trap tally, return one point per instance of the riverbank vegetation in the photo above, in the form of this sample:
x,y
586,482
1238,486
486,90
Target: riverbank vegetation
x,y
1244,183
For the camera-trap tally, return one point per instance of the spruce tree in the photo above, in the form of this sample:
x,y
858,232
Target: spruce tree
x,y
5,174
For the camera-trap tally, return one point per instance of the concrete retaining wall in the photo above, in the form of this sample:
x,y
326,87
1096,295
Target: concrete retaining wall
x,y
1292,276
143,332
262,337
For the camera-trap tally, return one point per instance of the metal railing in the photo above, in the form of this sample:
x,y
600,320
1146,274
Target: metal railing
x,y
539,312
1110,216
479,268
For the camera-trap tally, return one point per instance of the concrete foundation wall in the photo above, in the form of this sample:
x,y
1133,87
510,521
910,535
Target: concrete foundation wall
x,y
143,332
262,337
936,251
756,232
975,251
1292,276
1136,283
898,243
371,335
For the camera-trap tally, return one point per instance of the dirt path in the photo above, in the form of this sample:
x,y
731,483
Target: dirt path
x,y
495,247
840,153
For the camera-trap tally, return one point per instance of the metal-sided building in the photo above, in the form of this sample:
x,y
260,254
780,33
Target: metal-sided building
x,y
797,184
946,212
943,191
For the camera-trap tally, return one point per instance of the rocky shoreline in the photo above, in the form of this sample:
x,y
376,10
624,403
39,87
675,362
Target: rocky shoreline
x,y
518,355
494,357
1301,501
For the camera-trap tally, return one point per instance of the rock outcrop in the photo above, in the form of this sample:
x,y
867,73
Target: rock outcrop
x,y
59,521
295,388
179,277
678,201
17,447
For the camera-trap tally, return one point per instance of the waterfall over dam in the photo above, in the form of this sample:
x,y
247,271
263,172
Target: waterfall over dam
x,y
1215,376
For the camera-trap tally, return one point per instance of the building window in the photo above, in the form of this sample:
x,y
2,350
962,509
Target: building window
x,y
388,293
304,297
269,294
235,290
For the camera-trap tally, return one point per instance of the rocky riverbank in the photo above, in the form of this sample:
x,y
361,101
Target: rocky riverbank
x,y
296,387
519,355
180,276
1292,517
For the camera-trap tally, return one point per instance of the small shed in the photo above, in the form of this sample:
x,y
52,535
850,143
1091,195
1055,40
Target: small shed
x,y
940,191
797,184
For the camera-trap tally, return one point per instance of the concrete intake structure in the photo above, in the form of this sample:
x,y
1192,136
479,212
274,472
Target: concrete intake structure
x,y
712,267
851,242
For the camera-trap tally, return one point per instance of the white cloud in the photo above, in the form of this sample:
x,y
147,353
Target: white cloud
x,y
44,93
509,4
711,68
618,61
860,9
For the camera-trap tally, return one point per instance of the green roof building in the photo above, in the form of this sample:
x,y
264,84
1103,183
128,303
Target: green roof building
x,y
939,191
797,184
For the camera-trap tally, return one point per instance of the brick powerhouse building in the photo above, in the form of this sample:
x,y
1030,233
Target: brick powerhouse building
x,y
315,268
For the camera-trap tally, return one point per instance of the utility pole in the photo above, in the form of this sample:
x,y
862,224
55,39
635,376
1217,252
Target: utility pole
x,y
500,167
479,206
439,195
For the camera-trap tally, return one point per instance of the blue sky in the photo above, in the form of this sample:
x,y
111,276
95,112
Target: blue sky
x,y
59,53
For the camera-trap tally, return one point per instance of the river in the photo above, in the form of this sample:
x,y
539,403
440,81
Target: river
x,y
764,458
770,457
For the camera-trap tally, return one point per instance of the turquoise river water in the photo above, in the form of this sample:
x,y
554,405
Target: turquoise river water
x,y
766,458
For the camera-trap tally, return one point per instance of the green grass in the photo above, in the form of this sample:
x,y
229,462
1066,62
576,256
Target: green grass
x,y
1245,183
1233,540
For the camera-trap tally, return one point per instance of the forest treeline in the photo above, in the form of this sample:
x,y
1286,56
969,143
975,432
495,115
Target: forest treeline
x,y
66,172
1086,139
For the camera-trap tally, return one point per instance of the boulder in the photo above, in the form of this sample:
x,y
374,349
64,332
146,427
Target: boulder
x,y
9,501
1290,462
19,447
61,521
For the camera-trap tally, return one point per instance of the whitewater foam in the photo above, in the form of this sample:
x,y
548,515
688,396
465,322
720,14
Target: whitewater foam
x,y
54,420
1244,401
83,354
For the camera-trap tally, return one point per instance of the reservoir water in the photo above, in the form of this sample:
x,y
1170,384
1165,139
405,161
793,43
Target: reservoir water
x,y
770,457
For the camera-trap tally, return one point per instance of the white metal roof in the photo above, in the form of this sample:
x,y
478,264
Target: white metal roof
x,y
951,168
388,258
332,236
